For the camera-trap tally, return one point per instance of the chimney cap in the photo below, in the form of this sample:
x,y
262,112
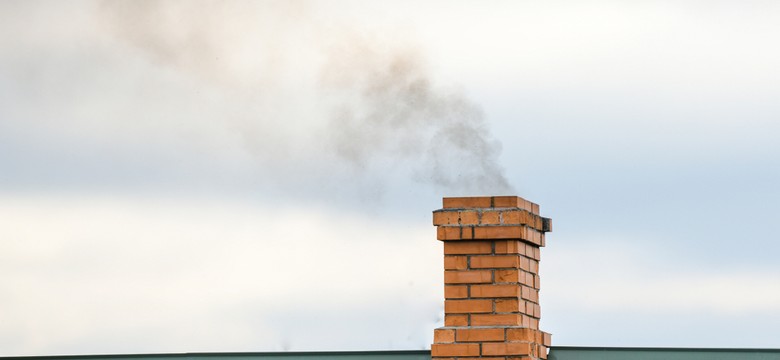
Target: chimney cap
x,y
471,202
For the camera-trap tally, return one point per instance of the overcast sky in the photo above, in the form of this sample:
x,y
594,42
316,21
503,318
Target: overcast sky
x,y
182,176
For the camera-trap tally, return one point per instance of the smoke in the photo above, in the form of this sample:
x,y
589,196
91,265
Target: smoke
x,y
392,109
382,110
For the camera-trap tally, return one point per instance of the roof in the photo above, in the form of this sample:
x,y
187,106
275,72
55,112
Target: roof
x,y
556,353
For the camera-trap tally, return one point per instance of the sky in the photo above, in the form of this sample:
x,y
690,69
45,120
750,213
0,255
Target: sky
x,y
259,175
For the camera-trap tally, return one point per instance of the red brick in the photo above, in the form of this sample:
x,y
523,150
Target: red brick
x,y
455,350
506,349
466,202
529,307
472,335
525,263
490,218
450,232
526,278
534,266
468,217
500,232
507,201
523,334
537,311
508,305
455,262
529,250
530,294
535,208
445,218
493,262
468,277
525,321
510,247
467,306
508,276
496,320
442,336
526,205
456,320
467,247
495,291
546,339
533,323
456,291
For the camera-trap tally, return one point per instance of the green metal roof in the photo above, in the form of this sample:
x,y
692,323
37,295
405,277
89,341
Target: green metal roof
x,y
611,353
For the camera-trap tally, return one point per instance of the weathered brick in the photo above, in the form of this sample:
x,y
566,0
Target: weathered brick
x,y
522,334
466,202
467,247
455,262
469,217
500,232
529,308
506,349
490,218
496,320
530,294
467,306
445,218
473,335
534,266
507,201
526,278
452,232
456,291
455,350
525,263
508,305
456,320
443,336
468,277
495,291
509,247
493,262
529,251
507,275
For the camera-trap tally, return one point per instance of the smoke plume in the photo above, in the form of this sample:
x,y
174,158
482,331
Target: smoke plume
x,y
381,104
391,108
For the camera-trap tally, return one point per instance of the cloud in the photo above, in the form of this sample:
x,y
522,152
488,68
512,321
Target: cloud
x,y
130,274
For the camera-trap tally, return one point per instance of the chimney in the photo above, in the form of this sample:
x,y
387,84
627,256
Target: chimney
x,y
491,279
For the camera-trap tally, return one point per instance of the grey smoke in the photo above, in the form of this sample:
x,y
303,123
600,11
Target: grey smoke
x,y
381,105
393,109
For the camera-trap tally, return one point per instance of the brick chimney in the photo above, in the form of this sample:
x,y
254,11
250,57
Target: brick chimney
x,y
491,279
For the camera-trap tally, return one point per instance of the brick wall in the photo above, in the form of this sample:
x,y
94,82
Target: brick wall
x,y
491,279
